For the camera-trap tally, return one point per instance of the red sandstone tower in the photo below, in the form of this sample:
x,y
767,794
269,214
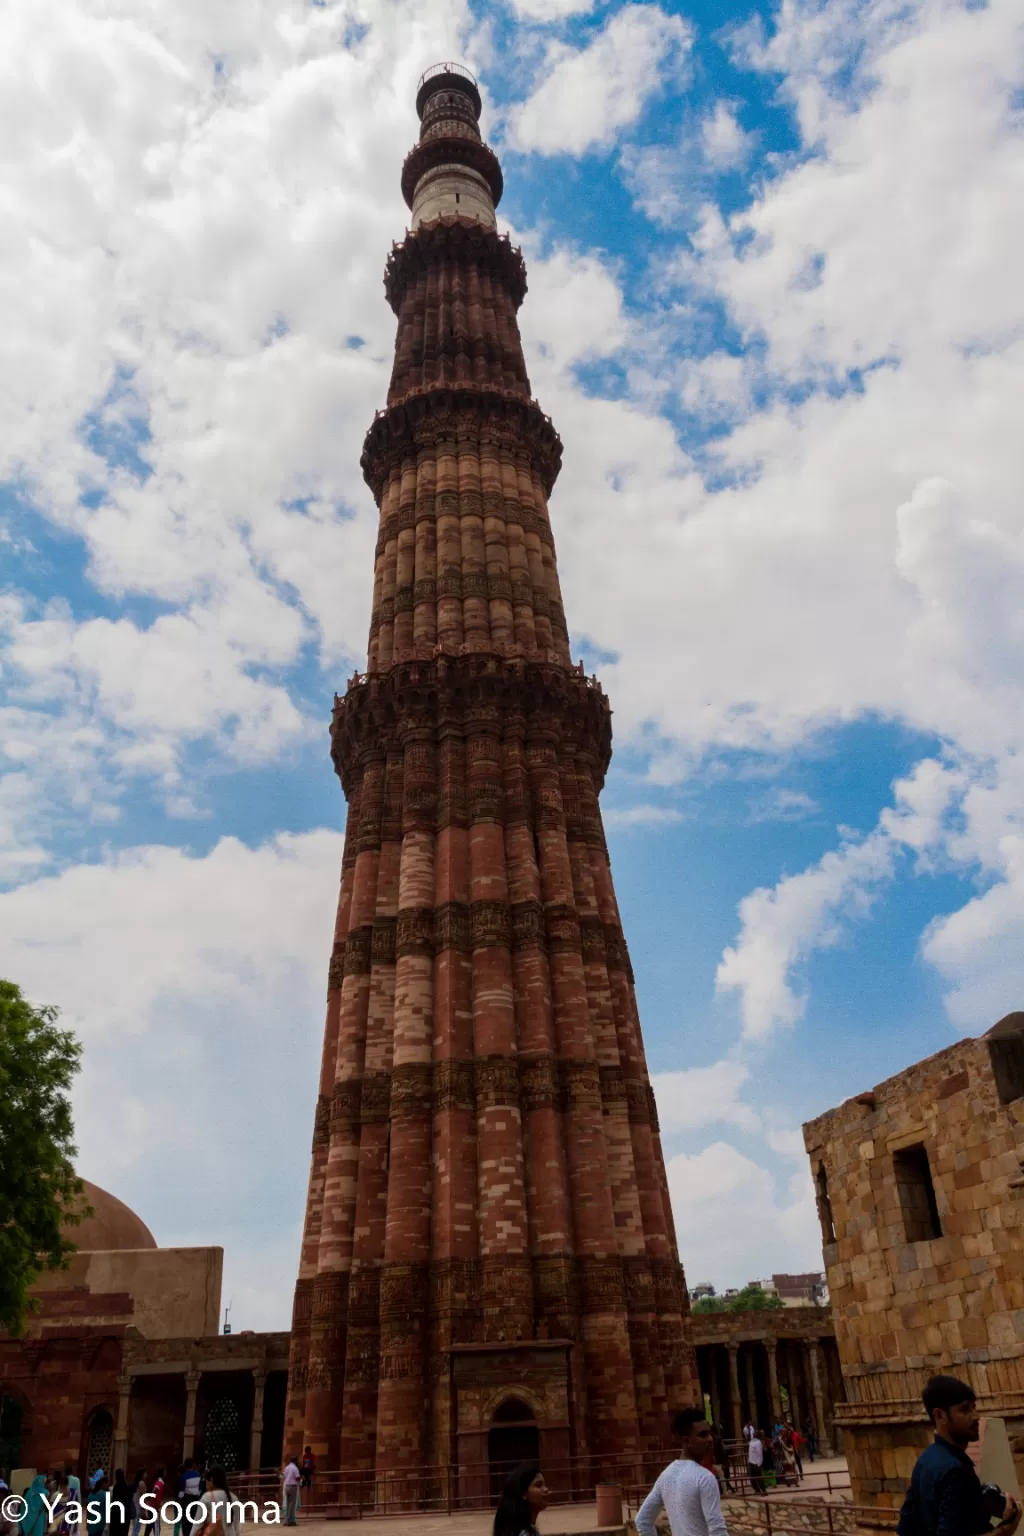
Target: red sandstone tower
x,y
488,1233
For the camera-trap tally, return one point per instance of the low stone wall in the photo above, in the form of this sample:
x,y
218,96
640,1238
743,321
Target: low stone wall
x,y
803,1517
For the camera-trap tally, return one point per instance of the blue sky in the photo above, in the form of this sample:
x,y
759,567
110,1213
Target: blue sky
x,y
774,313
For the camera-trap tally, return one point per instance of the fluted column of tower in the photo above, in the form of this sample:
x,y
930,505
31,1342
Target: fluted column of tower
x,y
486,1162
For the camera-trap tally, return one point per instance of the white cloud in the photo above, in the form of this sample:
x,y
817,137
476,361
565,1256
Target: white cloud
x,y
544,11
701,1096
588,95
782,926
734,1223
196,985
640,816
726,145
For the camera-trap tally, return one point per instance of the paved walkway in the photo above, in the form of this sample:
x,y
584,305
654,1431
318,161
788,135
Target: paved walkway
x,y
830,1479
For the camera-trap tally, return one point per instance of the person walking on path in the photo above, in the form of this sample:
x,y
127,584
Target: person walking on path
x,y
686,1490
755,1463
811,1436
291,1479
96,1506
945,1497
524,1496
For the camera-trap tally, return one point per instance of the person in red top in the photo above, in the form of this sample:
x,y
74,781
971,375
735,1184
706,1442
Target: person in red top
x,y
308,1467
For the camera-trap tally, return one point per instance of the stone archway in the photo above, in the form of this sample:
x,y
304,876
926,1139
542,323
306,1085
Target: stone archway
x,y
99,1443
513,1437
13,1427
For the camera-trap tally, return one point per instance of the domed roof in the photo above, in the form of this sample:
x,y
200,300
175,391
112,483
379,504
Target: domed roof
x,y
111,1225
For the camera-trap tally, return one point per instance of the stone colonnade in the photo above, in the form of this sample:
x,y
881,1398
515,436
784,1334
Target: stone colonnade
x,y
766,1378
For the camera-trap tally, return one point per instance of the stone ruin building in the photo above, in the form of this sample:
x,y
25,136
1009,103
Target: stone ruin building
x,y
920,1185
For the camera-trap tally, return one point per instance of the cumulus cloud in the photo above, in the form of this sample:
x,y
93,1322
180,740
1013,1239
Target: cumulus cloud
x,y
782,926
640,816
702,1096
587,95
196,986
735,1223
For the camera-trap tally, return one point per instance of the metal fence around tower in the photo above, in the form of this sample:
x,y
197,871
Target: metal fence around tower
x,y
450,1489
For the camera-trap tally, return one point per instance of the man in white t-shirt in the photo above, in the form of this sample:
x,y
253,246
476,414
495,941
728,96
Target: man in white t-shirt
x,y
686,1490
755,1462
291,1477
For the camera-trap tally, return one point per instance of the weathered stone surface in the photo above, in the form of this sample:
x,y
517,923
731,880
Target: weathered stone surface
x,y
921,1201
492,1186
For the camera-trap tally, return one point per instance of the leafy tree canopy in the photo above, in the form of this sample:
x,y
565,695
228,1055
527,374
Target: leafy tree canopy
x,y
752,1298
38,1184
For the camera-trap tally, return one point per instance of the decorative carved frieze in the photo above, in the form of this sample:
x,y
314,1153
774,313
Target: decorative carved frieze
x,y
375,1098
638,1104
639,1284
613,1088
462,240
426,416
539,1086
412,1087
602,1288
322,1121
454,1085
581,1086
345,1104
336,968
414,931
359,951
490,924
527,924
563,929
382,949
592,940
452,927
496,1082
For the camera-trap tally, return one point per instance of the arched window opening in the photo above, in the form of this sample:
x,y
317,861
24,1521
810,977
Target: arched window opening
x,y
223,1434
828,1229
512,1438
100,1443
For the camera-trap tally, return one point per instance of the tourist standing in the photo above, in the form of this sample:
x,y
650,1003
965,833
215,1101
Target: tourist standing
x,y
120,1505
945,1491
755,1463
523,1497
96,1506
291,1479
799,1446
139,1487
810,1435
308,1467
685,1490
35,1519
217,1500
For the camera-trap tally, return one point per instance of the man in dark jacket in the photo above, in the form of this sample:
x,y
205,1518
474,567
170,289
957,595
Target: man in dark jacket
x,y
945,1490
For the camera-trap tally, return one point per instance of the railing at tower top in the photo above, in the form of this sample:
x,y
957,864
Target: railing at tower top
x,y
448,68
476,1485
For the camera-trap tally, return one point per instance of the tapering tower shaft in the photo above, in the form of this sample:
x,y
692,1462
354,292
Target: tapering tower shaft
x,y
488,1230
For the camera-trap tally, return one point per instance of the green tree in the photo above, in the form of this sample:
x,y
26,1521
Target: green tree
x,y
38,1184
752,1298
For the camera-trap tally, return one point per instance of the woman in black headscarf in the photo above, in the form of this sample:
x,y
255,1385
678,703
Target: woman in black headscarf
x,y
524,1496
120,1495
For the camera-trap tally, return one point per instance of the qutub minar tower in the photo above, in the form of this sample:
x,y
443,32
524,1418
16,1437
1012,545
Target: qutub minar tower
x,y
488,1237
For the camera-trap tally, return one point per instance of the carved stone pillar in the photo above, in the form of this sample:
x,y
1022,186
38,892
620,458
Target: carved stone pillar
x,y
734,1390
188,1440
124,1391
770,1347
813,1354
748,1372
716,1401
256,1428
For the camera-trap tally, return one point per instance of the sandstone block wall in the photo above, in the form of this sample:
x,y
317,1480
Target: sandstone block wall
x,y
921,1198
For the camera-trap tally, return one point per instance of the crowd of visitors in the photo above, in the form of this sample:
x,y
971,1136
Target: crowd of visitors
x,y
55,1505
